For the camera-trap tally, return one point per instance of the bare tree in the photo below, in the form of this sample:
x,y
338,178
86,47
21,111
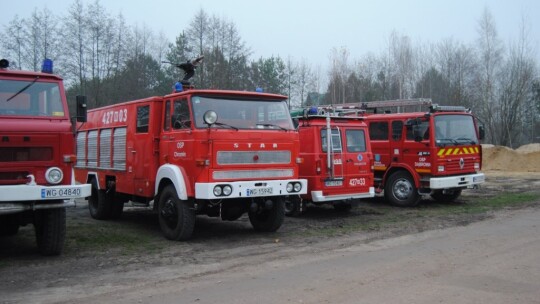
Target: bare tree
x,y
15,41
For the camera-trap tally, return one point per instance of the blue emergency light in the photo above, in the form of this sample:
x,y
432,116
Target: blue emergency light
x,y
47,66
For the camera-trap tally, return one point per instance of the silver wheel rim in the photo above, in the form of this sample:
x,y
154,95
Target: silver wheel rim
x,y
402,189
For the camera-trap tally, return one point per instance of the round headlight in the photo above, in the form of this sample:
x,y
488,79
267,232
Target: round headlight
x,y
227,190
54,175
217,191
297,187
290,187
210,117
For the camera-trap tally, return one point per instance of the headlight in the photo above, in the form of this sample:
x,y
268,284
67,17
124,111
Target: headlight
x,y
217,191
227,190
290,187
54,175
297,187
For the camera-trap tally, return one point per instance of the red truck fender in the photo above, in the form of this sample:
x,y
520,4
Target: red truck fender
x,y
176,176
402,167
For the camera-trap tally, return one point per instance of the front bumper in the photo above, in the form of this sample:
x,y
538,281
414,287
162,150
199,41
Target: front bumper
x,y
18,198
249,189
459,181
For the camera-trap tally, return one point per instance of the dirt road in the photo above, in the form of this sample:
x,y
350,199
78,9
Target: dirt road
x,y
366,248
494,261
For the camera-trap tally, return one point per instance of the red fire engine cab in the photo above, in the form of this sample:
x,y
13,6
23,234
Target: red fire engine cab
x,y
338,163
436,152
214,152
37,154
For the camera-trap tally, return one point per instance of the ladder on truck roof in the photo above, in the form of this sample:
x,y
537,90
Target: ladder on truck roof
x,y
398,105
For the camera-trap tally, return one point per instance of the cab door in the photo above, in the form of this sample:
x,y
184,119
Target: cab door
x,y
357,160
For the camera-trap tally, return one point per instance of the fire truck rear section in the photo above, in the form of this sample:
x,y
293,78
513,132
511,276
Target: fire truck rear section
x,y
338,162
219,153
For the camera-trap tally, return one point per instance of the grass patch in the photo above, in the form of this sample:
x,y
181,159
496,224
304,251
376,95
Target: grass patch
x,y
429,215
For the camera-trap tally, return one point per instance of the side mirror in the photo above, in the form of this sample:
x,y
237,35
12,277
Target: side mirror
x,y
81,108
417,134
481,132
296,123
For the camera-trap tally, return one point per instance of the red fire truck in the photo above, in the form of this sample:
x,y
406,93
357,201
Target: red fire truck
x,y
436,152
338,163
37,154
214,152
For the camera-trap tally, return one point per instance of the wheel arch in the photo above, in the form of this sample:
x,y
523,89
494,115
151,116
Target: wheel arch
x,y
171,174
404,168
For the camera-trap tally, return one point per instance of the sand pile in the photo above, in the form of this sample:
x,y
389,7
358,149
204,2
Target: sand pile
x,y
524,159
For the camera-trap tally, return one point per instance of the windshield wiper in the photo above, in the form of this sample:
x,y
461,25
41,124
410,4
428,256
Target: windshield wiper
x,y
447,140
272,125
468,140
225,125
23,89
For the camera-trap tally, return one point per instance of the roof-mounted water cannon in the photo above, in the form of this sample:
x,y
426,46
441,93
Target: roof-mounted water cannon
x,y
189,70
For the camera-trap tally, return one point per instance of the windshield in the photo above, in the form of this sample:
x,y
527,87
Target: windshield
x,y
30,98
455,129
243,113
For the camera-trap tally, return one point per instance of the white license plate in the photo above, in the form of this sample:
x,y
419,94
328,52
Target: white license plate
x,y
333,183
260,191
60,192
478,179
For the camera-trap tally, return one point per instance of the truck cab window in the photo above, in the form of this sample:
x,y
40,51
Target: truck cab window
x,y
378,130
180,118
356,141
143,118
167,118
397,129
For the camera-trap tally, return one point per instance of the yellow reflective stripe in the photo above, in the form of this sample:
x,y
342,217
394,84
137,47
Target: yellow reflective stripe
x,y
476,149
456,151
423,170
441,152
449,151
466,151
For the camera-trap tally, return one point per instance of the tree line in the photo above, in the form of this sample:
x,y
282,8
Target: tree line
x,y
102,57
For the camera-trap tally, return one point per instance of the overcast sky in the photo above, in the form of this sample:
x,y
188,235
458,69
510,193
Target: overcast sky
x,y
311,28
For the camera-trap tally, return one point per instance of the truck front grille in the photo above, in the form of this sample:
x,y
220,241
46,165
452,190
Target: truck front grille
x,y
253,157
14,178
25,154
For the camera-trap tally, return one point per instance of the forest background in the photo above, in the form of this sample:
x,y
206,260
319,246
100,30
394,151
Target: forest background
x,y
99,55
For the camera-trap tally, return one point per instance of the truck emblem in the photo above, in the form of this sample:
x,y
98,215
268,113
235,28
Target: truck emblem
x,y
359,157
461,163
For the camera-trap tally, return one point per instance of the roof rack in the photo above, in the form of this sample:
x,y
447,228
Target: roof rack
x,y
328,111
398,104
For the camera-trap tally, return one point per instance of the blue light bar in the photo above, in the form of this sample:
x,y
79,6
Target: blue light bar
x,y
47,66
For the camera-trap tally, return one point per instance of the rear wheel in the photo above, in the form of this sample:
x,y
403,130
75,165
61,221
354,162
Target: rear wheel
x,y
400,190
268,215
98,204
8,225
293,206
446,195
176,217
50,229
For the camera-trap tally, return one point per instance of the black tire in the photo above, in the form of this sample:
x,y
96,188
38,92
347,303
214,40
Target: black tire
x,y
176,217
8,225
268,219
446,196
342,207
293,206
400,190
98,204
50,229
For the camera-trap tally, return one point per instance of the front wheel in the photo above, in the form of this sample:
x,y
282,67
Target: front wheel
x,y
176,217
268,214
446,195
50,229
294,206
98,204
400,190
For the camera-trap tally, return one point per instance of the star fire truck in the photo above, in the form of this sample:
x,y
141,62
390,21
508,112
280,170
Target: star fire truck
x,y
338,163
214,152
37,154
436,152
